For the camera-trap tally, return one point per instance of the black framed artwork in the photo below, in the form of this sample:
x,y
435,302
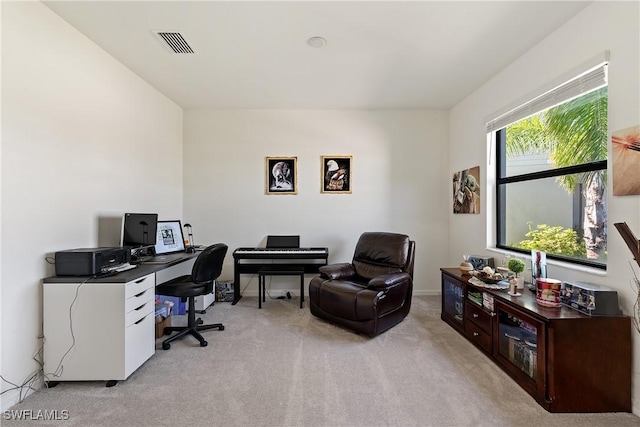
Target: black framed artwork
x,y
281,175
336,174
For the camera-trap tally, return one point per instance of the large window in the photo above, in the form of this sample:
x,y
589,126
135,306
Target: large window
x,y
551,177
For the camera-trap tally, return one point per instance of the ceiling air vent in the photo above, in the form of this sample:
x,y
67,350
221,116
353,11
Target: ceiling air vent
x,y
174,41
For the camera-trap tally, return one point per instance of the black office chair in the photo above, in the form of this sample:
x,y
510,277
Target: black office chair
x,y
206,269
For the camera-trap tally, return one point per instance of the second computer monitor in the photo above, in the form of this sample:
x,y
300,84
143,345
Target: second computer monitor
x,y
169,238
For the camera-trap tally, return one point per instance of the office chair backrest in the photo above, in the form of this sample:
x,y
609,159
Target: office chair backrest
x,y
208,265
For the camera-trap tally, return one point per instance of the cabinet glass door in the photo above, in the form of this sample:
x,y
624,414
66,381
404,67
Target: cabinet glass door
x,y
453,299
517,342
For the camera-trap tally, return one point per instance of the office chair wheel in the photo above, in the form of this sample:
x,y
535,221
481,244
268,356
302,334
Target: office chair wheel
x,y
221,328
200,321
166,346
203,343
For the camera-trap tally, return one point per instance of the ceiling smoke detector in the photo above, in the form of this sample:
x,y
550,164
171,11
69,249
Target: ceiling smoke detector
x,y
174,41
317,42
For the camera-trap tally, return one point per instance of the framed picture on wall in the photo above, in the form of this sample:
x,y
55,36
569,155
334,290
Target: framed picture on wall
x,y
625,148
466,191
336,174
282,175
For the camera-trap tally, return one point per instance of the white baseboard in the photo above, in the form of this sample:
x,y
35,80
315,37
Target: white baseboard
x,y
296,292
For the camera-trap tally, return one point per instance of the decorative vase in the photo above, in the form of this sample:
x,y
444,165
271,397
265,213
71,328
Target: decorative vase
x,y
520,282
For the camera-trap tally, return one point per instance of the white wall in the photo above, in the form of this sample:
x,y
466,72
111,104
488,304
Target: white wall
x,y
612,26
83,140
399,180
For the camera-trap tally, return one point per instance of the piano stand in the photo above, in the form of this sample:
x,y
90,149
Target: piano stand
x,y
262,273
290,261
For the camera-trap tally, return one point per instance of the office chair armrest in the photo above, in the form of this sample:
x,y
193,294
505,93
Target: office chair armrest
x,y
337,271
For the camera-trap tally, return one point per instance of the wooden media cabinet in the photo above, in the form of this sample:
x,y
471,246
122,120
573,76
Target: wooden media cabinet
x,y
567,361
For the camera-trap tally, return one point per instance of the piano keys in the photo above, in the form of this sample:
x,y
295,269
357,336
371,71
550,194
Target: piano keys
x,y
251,260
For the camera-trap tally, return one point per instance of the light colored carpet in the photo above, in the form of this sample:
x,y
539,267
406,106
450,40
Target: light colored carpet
x,y
280,366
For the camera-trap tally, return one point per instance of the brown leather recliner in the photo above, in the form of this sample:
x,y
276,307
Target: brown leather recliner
x,y
373,292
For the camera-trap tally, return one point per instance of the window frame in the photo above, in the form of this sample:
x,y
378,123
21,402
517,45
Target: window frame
x,y
500,199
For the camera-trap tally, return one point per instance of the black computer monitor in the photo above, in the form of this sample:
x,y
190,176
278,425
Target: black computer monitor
x,y
139,229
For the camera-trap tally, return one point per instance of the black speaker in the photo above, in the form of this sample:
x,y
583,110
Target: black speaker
x,y
480,262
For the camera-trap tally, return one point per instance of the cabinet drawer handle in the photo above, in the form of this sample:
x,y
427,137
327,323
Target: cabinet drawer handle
x,y
475,315
140,308
141,293
475,334
141,280
141,320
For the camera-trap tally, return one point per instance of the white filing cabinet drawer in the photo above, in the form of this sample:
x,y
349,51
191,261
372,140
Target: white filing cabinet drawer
x,y
140,297
139,341
135,287
140,322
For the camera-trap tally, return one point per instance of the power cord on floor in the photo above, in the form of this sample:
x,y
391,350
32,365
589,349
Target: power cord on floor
x,y
39,375
285,295
31,382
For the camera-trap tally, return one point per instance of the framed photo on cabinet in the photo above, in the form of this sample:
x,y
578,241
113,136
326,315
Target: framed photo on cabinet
x,y
281,175
336,174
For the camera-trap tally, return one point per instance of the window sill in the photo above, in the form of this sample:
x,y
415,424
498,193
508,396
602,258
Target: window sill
x,y
560,264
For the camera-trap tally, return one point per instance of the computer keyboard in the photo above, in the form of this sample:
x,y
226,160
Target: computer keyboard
x,y
118,268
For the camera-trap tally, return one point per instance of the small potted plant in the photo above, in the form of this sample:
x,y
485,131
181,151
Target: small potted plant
x,y
517,266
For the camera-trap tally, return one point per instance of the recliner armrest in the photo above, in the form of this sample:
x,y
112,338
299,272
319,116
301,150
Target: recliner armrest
x,y
388,280
337,271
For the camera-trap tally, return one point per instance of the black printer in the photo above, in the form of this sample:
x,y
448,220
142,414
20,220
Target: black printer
x,y
89,261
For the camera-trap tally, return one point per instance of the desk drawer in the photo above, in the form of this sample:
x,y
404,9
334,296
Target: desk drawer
x,y
134,287
139,299
478,336
139,312
139,343
177,270
477,315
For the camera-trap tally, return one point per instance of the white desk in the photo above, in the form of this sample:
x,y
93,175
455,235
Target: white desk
x,y
103,329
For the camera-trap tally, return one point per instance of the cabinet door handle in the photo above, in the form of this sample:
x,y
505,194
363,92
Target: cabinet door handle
x,y
475,315
475,334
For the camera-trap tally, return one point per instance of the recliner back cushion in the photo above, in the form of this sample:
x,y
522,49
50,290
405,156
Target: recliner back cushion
x,y
380,253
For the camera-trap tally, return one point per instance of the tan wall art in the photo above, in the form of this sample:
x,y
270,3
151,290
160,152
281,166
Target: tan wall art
x,y
466,191
626,161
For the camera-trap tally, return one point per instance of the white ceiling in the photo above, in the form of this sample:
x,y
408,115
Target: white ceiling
x,y
379,54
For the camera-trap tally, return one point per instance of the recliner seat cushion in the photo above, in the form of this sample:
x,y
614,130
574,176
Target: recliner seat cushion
x,y
348,300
